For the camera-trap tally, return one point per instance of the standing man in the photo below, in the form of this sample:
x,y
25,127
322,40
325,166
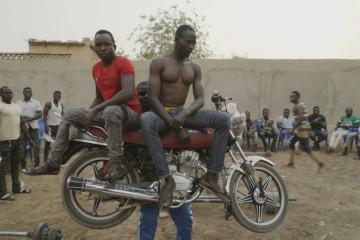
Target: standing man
x,y
348,121
11,124
169,83
52,111
318,124
301,130
149,213
31,111
267,130
116,106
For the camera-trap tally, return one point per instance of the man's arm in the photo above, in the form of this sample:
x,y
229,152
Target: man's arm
x,y
123,96
198,90
323,122
25,131
47,107
154,89
98,98
38,115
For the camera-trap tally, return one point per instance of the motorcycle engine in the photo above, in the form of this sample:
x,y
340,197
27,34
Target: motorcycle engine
x,y
182,168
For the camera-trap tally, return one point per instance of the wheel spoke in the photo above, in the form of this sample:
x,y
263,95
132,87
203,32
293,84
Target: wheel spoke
x,y
95,207
267,183
246,199
272,202
251,182
259,213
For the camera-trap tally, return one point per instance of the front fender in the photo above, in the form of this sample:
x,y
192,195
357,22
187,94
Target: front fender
x,y
237,167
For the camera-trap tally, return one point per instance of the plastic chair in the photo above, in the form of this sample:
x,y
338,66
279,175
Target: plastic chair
x,y
351,130
283,134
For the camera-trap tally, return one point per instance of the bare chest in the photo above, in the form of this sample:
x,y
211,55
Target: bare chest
x,y
173,73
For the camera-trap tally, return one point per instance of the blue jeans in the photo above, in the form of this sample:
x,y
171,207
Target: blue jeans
x,y
34,134
152,125
149,214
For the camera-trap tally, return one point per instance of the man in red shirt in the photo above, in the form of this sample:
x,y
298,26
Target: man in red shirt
x,y
116,106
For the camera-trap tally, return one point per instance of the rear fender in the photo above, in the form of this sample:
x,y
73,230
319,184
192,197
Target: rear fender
x,y
237,167
75,147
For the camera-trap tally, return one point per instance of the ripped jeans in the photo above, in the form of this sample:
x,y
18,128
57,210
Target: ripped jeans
x,y
113,118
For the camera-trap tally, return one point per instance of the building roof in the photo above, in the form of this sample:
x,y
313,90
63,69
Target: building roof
x,y
33,41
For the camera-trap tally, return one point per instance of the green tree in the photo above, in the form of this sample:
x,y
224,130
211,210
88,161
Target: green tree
x,y
155,36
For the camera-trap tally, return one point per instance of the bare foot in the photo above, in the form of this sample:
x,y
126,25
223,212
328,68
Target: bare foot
x,y
166,192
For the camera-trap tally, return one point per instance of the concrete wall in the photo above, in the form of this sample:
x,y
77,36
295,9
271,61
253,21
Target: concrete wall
x,y
331,84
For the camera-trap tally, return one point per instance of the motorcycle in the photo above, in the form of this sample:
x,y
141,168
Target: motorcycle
x,y
257,193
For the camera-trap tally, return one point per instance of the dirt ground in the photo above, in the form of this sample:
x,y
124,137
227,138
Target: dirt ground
x,y
326,207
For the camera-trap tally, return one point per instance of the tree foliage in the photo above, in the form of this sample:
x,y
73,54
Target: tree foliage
x,y
155,36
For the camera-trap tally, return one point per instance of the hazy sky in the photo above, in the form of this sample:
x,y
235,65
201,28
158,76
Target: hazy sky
x,y
252,28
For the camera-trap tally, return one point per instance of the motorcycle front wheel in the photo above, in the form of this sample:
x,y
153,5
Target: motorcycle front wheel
x,y
96,211
256,210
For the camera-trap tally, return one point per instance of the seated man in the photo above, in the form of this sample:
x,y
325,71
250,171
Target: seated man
x,y
318,124
285,124
116,106
251,132
149,213
348,121
169,82
267,130
349,139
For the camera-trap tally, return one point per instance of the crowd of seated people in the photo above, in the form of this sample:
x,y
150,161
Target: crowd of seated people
x,y
347,130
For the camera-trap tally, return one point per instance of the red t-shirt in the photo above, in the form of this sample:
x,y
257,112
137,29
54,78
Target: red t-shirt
x,y
108,80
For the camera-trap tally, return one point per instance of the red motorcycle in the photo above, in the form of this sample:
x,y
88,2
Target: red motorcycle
x,y
257,193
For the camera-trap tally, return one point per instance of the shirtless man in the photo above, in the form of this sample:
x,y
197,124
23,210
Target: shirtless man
x,y
301,130
169,82
52,111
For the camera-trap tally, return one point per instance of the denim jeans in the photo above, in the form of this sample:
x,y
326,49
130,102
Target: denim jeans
x,y
10,151
152,125
149,214
34,134
113,118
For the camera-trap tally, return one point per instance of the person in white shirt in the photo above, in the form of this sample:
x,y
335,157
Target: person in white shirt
x,y
52,111
11,124
31,111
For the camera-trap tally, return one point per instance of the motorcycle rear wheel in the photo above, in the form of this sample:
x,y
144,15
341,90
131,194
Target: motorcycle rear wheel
x,y
253,211
87,214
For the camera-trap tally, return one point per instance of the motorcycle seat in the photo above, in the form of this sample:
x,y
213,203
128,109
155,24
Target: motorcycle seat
x,y
199,138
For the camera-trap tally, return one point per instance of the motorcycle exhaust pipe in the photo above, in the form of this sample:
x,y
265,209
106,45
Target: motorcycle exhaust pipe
x,y
110,189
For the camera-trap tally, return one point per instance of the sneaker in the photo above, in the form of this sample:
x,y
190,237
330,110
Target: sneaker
x,y
356,158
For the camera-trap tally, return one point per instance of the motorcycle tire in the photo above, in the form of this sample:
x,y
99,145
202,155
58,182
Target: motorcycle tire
x,y
71,205
282,197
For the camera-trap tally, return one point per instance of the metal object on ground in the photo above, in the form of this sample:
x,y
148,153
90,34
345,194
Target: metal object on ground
x,y
41,232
